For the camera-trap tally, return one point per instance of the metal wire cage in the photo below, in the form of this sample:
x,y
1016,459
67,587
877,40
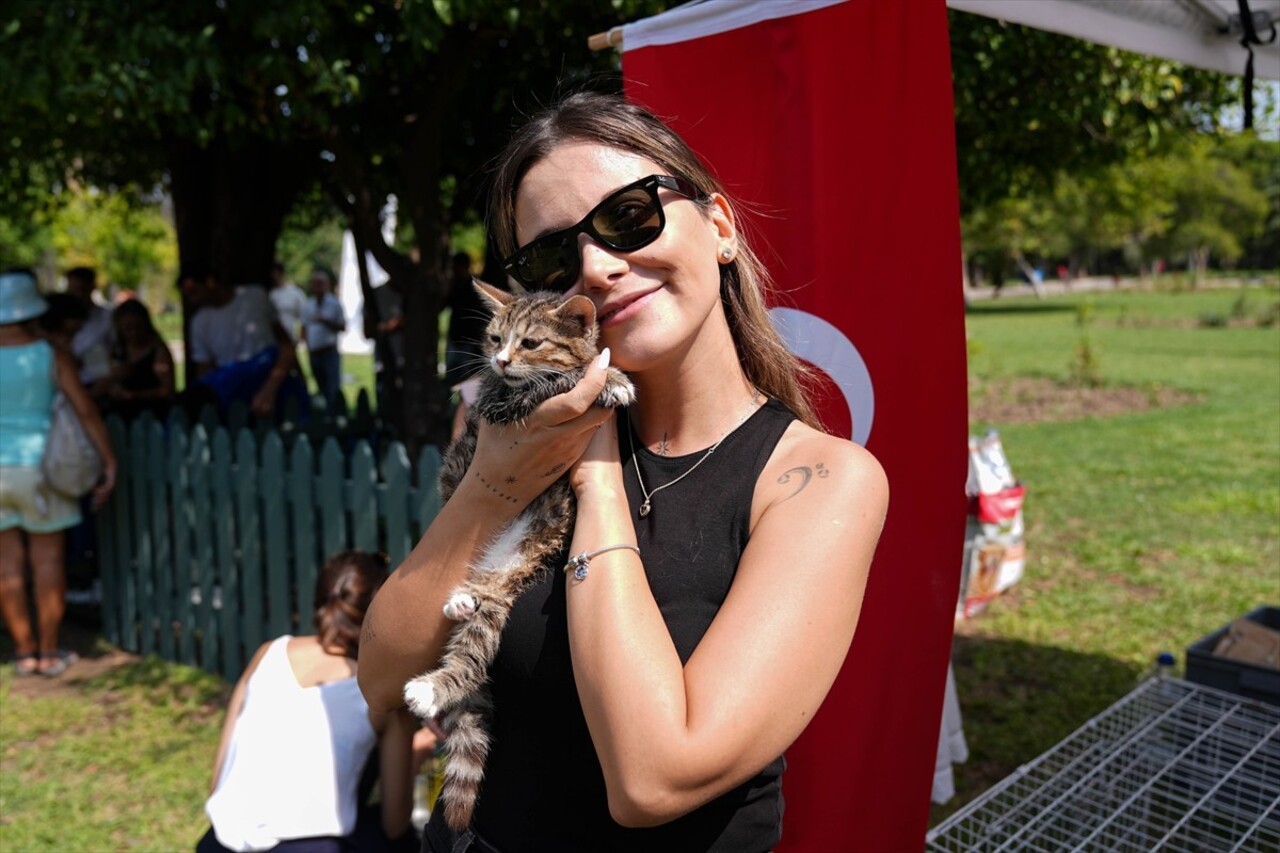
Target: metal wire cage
x,y
1172,766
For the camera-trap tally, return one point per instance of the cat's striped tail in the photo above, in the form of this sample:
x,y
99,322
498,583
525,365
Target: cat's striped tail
x,y
466,750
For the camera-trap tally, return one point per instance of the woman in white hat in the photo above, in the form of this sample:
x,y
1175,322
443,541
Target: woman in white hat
x,y
31,372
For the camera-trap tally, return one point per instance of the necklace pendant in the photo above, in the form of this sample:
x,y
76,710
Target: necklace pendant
x,y
644,509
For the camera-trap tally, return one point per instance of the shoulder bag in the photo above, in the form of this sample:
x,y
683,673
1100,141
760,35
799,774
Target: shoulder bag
x,y
71,463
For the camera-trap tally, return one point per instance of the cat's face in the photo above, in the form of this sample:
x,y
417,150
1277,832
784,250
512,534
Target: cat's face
x,y
537,334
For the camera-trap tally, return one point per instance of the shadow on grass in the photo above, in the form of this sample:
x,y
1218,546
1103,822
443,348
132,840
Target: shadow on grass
x,y
1019,699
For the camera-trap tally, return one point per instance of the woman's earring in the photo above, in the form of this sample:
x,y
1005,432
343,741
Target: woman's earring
x,y
726,253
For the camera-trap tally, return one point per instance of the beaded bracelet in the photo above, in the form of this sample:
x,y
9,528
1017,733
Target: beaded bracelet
x,y
580,563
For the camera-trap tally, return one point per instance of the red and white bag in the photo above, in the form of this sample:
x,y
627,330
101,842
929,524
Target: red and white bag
x,y
994,551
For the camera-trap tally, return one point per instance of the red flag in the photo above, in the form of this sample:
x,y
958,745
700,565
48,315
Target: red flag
x,y
832,123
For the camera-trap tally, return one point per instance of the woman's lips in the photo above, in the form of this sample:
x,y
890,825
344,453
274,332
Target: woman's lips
x,y
627,309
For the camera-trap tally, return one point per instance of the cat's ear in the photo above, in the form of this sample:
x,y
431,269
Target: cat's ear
x,y
580,310
493,297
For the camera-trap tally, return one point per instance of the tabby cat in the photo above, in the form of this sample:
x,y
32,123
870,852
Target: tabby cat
x,y
538,345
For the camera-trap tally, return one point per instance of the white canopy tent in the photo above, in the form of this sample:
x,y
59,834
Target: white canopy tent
x,y
1202,33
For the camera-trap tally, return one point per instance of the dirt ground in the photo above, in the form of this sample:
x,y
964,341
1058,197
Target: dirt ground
x,y
1024,400
80,633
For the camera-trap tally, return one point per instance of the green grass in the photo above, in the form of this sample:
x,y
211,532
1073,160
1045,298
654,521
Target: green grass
x,y
1145,531
122,763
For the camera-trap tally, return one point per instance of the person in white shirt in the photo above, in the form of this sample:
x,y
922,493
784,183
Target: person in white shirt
x,y
236,345
289,301
92,344
298,734
323,320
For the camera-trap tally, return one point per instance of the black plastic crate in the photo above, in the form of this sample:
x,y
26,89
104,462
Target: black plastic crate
x,y
1246,679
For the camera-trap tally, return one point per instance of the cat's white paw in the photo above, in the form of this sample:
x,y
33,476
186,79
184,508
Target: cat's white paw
x,y
617,394
460,607
420,696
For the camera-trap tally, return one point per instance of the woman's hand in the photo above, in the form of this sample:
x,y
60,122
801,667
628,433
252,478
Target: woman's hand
x,y
404,631
601,463
106,485
519,461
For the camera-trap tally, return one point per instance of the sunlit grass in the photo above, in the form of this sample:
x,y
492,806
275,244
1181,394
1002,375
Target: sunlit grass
x,y
1145,531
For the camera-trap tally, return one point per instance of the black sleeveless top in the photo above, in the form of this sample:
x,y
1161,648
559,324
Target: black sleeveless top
x,y
543,788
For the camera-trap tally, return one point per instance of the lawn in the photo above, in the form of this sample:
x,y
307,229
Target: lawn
x,y
1146,529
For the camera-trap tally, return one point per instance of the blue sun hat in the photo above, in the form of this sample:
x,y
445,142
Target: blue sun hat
x,y
20,298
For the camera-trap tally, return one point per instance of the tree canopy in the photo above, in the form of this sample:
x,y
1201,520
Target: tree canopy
x,y
240,110
1032,104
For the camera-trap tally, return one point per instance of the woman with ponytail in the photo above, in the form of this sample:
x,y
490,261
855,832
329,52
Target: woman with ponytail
x,y
298,734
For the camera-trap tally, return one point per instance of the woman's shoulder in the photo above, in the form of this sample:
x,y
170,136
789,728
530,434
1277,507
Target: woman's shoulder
x,y
809,465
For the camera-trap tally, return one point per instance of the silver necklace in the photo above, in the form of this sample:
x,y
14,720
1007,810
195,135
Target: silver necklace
x,y
647,506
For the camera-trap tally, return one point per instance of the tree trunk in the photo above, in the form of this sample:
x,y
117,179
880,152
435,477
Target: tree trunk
x,y
229,207
424,407
230,204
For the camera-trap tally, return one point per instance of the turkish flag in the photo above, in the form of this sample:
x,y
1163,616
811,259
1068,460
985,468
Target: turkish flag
x,y
831,126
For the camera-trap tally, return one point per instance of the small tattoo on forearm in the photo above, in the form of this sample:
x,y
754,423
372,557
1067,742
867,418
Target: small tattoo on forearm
x,y
510,481
805,474
554,471
495,490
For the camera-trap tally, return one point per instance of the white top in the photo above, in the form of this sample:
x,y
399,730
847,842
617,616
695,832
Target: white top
x,y
92,344
289,300
237,331
294,760
316,317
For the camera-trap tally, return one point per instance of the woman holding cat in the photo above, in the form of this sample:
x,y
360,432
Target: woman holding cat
x,y
644,700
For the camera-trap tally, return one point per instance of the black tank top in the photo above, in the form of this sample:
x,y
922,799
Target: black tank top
x,y
544,789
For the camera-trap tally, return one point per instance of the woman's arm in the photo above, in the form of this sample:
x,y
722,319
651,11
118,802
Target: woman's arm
x,y
670,738
396,771
234,706
405,630
69,384
264,402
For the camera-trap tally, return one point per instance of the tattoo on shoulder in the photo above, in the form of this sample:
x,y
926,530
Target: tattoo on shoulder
x,y
802,475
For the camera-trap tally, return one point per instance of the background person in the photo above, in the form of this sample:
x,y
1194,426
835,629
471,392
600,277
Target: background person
x,y
91,344
238,349
323,320
142,371
298,735
652,699
288,300
33,517
65,317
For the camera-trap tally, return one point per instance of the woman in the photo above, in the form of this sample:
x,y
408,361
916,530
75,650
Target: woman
x,y
298,734
647,705
33,517
142,376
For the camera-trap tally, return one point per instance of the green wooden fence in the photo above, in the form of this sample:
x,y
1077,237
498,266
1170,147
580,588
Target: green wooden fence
x,y
211,543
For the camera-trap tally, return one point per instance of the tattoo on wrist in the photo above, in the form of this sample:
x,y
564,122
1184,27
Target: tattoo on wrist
x,y
805,475
495,490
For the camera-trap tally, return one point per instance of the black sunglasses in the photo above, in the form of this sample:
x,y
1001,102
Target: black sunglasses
x,y
628,219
